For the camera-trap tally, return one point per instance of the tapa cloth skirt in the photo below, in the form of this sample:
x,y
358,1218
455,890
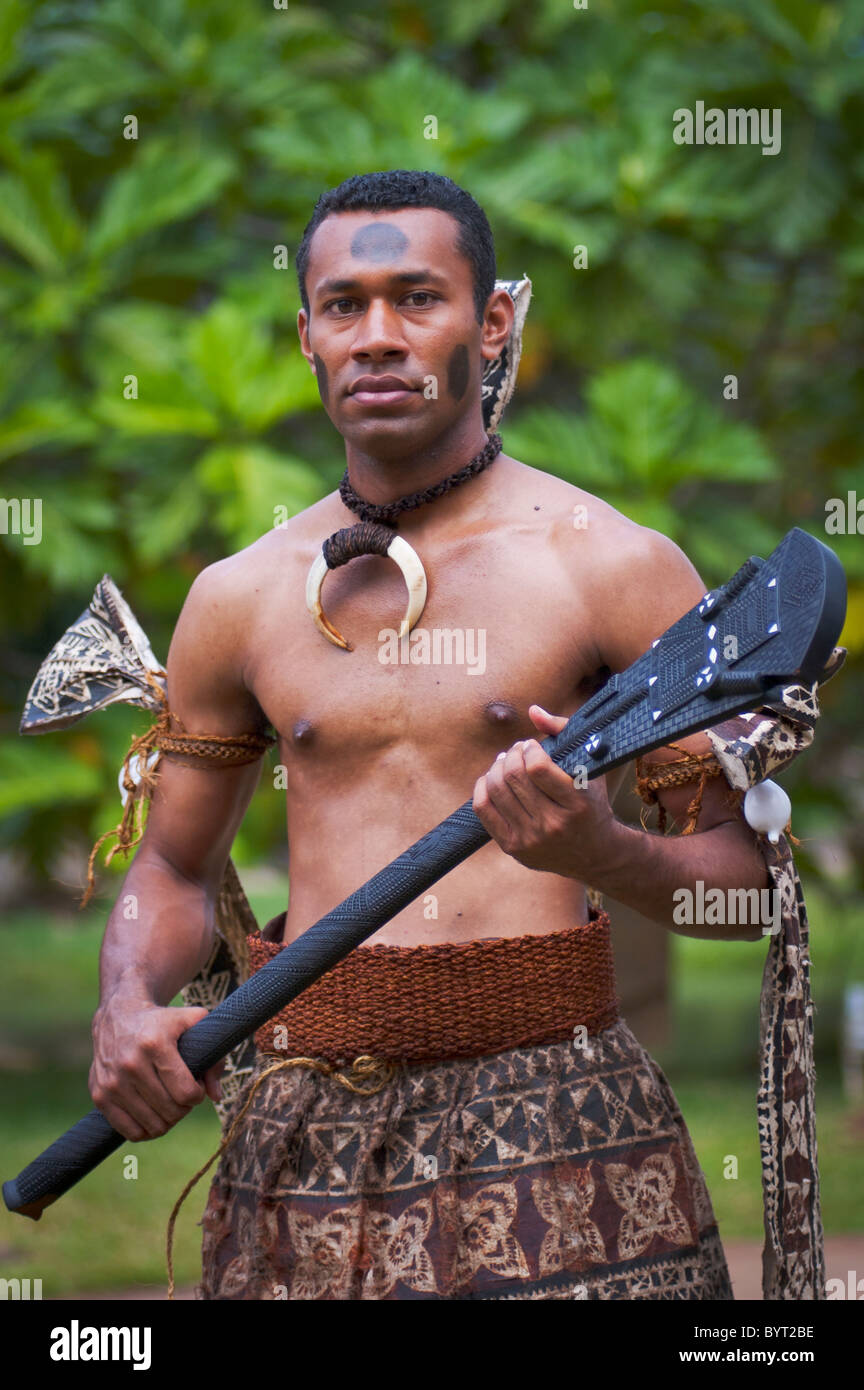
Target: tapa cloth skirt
x,y
557,1169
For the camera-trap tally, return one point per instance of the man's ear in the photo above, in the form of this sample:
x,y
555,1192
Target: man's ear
x,y
303,334
497,324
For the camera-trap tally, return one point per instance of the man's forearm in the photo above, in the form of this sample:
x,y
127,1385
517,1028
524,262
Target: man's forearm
x,y
159,934
644,871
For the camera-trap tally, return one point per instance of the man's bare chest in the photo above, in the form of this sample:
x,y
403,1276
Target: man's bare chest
x,y
495,636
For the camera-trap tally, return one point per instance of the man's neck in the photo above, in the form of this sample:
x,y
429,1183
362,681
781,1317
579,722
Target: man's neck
x,y
379,480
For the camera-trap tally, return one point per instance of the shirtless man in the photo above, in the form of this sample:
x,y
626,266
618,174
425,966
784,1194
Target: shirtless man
x,y
377,753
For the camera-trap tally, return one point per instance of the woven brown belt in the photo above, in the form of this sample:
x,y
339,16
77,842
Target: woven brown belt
x,y
443,1001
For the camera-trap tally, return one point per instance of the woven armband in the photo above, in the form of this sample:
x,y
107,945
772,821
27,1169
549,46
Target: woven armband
x,y
138,775
652,778
229,750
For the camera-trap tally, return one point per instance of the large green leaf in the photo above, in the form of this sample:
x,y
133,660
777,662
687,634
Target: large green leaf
x,y
565,444
25,227
77,538
166,181
34,775
148,335
13,24
253,381
642,413
162,526
42,422
250,484
149,343
723,451
143,416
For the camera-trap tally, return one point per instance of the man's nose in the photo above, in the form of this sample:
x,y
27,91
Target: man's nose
x,y
379,333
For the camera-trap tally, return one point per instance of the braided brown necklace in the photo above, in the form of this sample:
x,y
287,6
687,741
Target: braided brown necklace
x,y
375,534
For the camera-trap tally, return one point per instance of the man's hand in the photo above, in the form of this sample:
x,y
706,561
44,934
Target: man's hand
x,y
138,1079
533,810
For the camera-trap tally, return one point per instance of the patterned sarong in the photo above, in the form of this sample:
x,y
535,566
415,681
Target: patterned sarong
x,y
560,1169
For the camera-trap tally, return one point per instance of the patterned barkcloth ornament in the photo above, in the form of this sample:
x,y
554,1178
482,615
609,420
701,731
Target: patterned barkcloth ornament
x,y
749,748
105,659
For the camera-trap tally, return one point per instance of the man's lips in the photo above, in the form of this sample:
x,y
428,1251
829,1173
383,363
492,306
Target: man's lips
x,y
380,390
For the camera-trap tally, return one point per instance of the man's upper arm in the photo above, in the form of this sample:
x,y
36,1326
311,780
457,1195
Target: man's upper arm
x,y
646,583
198,806
651,586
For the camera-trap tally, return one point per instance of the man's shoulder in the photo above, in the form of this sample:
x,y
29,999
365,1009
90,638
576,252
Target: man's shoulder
x,y
587,523
637,563
633,581
238,577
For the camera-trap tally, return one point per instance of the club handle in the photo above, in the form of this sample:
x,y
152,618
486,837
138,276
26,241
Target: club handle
x,y
59,1167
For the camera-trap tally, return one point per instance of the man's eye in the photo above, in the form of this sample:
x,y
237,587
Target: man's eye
x,y
334,304
420,294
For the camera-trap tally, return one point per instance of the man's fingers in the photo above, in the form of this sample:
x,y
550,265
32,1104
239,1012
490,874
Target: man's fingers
x,y
142,1098
211,1081
546,722
528,774
134,1104
547,777
510,788
163,1112
178,1089
124,1123
180,1086
183,1019
487,813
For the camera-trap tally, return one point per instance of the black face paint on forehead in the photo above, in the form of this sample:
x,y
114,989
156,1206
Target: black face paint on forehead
x,y
458,371
378,241
321,377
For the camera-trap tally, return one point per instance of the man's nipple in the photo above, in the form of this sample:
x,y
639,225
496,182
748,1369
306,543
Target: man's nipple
x,y
303,732
500,712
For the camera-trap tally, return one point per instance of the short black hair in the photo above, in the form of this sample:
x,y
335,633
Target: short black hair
x,y
410,188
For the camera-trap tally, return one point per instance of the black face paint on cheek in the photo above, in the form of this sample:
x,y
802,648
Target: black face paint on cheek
x,y
378,241
321,376
458,372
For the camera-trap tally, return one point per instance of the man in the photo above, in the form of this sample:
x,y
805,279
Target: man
x,y
492,1167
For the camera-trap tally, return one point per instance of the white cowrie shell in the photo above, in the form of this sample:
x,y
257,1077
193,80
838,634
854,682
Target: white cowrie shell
x,y
767,809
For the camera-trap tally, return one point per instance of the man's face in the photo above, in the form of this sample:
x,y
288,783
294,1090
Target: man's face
x,y
391,330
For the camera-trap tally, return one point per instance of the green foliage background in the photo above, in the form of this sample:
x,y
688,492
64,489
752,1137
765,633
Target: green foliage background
x,y
155,257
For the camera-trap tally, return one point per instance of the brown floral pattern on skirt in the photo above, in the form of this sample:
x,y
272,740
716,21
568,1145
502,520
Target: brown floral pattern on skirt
x,y
546,1172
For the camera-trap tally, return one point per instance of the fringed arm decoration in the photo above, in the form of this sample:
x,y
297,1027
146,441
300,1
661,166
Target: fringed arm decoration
x,y
652,778
139,774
